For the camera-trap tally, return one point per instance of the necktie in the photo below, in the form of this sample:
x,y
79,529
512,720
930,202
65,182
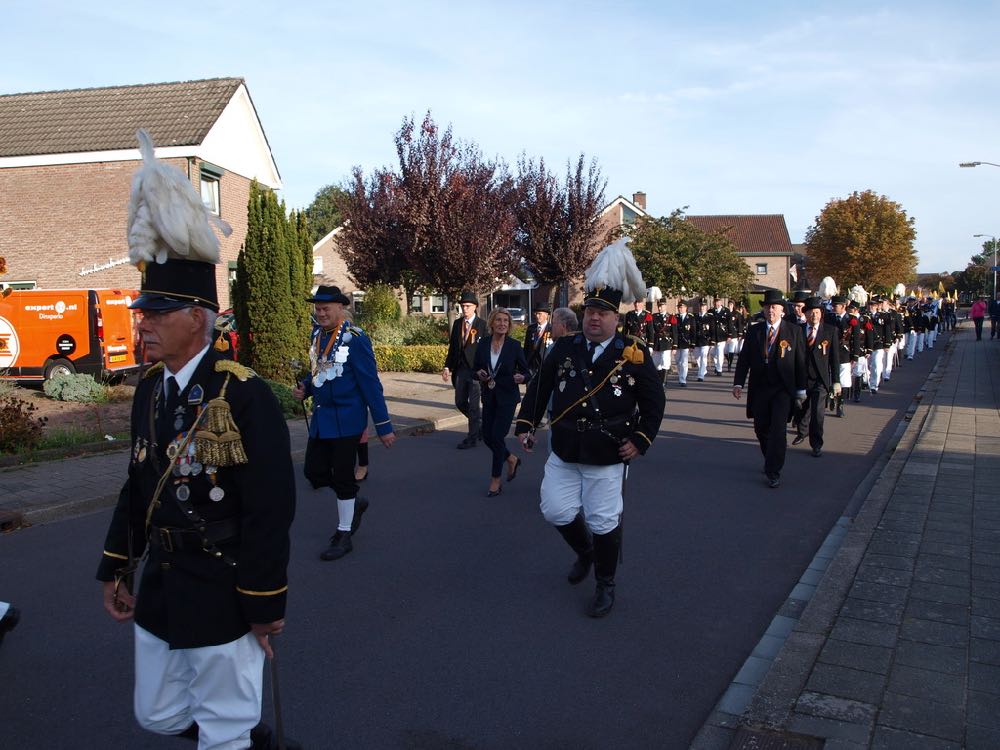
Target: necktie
x,y
812,335
591,349
465,331
165,423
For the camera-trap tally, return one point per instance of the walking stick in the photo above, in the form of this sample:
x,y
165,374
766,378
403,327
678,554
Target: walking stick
x,y
296,366
279,726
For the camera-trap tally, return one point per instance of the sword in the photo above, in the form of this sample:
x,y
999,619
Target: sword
x,y
621,518
279,726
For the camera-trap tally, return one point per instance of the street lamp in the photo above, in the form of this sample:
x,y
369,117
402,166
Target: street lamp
x,y
977,163
993,239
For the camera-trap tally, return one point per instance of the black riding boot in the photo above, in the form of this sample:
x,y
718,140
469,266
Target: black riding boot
x,y
663,378
578,537
857,388
606,549
840,405
729,363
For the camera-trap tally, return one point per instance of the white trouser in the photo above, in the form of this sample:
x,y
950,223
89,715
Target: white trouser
x,y
662,359
931,337
861,368
701,358
682,365
888,355
911,344
921,340
876,366
733,345
844,376
567,487
901,344
720,355
219,687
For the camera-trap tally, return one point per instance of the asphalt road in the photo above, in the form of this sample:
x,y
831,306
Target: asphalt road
x,y
451,625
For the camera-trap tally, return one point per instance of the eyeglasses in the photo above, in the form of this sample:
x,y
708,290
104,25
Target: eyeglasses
x,y
156,316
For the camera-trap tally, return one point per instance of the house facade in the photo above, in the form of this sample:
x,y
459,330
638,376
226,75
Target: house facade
x,y
761,240
66,164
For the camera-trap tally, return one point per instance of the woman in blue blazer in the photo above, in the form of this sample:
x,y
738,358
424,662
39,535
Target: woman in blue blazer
x,y
501,368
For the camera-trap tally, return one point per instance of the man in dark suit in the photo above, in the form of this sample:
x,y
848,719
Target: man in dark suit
x,y
465,334
822,375
773,355
537,337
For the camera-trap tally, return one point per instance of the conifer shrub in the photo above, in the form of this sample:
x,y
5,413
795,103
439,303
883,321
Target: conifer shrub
x,y
78,387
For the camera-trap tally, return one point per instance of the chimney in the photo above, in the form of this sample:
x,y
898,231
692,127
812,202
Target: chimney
x,y
639,199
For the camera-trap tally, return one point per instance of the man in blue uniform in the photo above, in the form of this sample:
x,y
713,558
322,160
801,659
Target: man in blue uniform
x,y
345,387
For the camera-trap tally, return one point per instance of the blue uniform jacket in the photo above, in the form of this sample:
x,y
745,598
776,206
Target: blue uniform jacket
x,y
341,404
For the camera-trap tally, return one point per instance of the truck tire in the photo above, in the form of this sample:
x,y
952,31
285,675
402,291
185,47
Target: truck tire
x,y
58,366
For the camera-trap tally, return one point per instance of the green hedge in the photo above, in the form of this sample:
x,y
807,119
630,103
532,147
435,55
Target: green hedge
x,y
423,358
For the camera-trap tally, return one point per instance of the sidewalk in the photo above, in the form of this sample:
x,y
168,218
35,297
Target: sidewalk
x,y
899,645
56,489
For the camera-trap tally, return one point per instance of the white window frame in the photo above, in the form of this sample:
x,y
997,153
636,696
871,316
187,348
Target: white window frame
x,y
761,269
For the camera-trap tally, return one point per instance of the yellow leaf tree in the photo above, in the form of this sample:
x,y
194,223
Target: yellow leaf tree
x,y
862,239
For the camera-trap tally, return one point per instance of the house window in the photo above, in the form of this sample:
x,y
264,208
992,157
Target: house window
x,y
17,286
437,303
317,265
417,303
359,303
210,178
762,269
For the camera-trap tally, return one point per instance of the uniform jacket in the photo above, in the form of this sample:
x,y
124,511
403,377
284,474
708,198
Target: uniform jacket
x,y
535,345
823,357
704,329
849,335
510,362
462,353
723,324
639,324
628,406
190,598
686,332
881,329
664,331
341,404
738,323
785,368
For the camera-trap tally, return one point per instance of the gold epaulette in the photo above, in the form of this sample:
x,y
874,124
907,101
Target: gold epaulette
x,y
355,330
242,372
635,352
154,370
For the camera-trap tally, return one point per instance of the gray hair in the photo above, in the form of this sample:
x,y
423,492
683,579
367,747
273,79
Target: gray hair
x,y
208,330
567,318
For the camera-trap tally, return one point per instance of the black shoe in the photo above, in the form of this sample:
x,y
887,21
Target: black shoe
x,y
467,443
360,506
840,410
262,738
701,380
798,439
773,481
817,452
9,621
718,373
604,598
513,472
340,545
683,385
494,493
581,569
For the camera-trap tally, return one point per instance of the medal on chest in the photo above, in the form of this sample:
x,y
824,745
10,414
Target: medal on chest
x,y
329,364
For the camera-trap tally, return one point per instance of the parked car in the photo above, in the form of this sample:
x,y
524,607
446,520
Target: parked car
x,y
517,315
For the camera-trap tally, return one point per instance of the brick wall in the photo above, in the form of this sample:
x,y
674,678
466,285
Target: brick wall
x,y
56,221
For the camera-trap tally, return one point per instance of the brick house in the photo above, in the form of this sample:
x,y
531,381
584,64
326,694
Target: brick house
x,y
66,163
761,240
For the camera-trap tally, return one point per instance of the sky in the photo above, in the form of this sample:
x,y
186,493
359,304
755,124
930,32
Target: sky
x,y
766,107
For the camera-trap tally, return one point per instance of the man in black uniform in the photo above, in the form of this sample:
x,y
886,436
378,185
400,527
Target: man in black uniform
x,y
849,338
639,322
773,356
465,335
536,338
721,332
822,375
210,497
881,332
704,328
686,334
664,337
607,404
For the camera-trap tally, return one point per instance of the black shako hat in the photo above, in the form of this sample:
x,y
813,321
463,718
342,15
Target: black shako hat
x,y
773,297
606,297
814,303
838,300
177,283
329,294
468,298
801,296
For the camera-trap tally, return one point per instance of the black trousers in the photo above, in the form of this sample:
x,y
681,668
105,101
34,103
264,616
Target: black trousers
x,y
467,399
978,322
770,410
994,322
496,425
330,463
810,418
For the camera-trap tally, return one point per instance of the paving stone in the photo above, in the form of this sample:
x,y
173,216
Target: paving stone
x,y
861,631
833,707
921,609
986,558
897,537
923,683
856,656
892,548
947,659
984,677
986,573
944,561
978,738
986,589
736,699
816,726
986,607
959,551
900,522
854,684
938,633
985,627
752,671
883,575
874,611
894,739
936,593
876,592
792,609
768,647
895,562
984,709
948,537
943,576
922,716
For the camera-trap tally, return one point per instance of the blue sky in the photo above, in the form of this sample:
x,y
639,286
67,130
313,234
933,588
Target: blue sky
x,y
723,107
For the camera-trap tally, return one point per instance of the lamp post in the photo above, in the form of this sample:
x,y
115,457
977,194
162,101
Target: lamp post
x,y
993,239
977,163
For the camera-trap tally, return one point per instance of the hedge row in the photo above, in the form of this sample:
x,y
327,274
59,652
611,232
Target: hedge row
x,y
421,358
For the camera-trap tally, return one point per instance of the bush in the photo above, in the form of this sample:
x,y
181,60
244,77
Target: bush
x,y
380,306
19,428
518,332
290,406
78,387
385,332
410,358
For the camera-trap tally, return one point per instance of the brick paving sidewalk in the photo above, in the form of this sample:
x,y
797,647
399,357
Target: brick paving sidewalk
x,y
900,646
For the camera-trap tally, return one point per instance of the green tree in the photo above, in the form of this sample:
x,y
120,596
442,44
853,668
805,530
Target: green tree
x,y
324,213
977,278
863,239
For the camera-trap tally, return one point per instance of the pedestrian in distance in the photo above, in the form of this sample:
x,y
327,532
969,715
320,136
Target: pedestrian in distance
x,y
684,342
537,337
977,314
607,403
458,366
345,387
210,492
822,375
9,617
994,313
501,369
773,356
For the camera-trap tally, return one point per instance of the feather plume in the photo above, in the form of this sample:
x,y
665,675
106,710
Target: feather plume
x,y
858,294
166,216
900,290
615,268
654,295
827,287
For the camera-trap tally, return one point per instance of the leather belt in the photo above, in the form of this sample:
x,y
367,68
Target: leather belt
x,y
583,424
186,540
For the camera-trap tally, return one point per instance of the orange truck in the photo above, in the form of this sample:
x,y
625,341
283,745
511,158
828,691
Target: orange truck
x,y
48,331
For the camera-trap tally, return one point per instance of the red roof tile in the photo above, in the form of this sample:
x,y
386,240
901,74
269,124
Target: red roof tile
x,y
752,234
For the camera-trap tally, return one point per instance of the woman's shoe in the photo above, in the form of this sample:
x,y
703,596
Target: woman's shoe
x,y
511,473
494,493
